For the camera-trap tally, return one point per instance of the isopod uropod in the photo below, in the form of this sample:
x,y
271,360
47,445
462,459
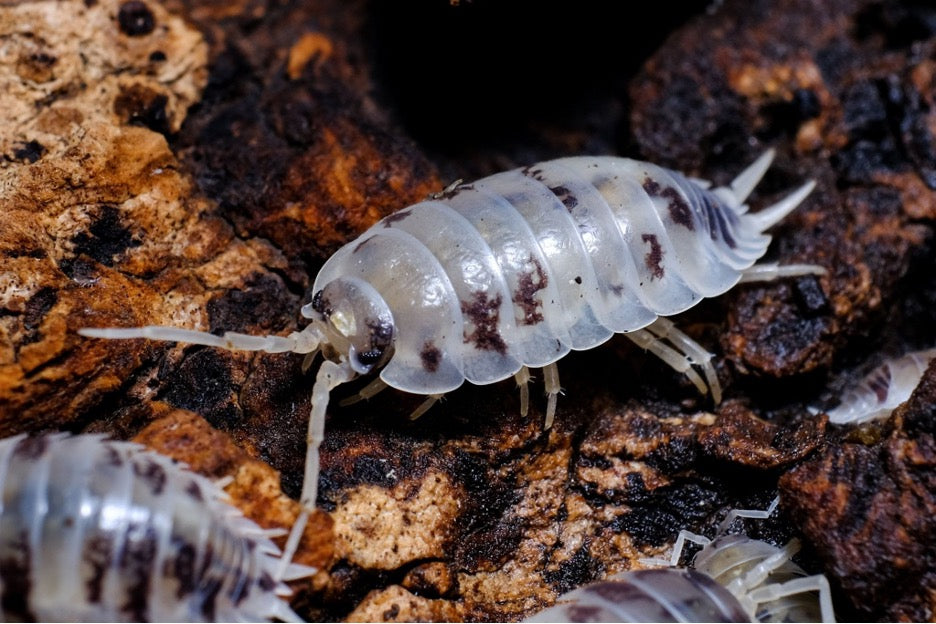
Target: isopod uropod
x,y
734,578
883,389
486,279
97,530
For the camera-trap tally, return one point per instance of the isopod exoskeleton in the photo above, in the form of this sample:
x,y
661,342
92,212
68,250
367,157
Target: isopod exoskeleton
x,y
487,279
883,389
97,530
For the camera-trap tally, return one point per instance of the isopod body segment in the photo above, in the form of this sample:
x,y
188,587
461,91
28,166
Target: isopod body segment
x,y
106,531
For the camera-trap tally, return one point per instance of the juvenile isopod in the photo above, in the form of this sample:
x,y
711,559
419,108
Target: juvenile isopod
x,y
96,530
485,280
733,578
883,389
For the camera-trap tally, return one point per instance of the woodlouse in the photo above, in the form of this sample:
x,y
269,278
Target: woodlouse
x,y
734,579
883,389
97,530
486,279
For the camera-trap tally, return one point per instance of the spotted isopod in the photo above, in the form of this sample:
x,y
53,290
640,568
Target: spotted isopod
x,y
734,578
883,389
96,530
484,280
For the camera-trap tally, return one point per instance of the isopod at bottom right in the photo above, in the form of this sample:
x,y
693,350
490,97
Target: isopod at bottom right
x,y
734,578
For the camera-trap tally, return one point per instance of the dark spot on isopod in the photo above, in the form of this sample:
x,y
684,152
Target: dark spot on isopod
x,y
528,284
32,447
583,613
577,279
266,582
135,19
616,289
97,554
654,257
679,210
151,473
209,585
880,383
380,338
530,172
360,246
183,566
717,217
111,456
564,195
395,217
484,313
620,593
431,357
193,490
16,577
240,590
451,191
135,565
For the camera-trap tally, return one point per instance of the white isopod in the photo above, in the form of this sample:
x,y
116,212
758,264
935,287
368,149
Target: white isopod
x,y
734,578
96,530
513,271
883,389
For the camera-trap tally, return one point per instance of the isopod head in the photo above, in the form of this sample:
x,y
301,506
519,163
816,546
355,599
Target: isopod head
x,y
356,323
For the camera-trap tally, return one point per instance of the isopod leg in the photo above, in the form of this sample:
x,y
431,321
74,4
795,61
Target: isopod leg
x,y
665,330
330,375
523,382
817,583
759,573
758,514
424,407
771,271
304,341
678,546
551,380
678,361
368,391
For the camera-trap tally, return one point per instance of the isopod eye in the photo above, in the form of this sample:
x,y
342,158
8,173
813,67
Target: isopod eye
x,y
369,358
318,302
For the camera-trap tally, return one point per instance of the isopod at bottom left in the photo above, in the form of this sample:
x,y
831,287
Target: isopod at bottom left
x,y
100,530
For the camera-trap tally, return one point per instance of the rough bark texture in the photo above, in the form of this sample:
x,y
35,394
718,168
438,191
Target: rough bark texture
x,y
193,163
